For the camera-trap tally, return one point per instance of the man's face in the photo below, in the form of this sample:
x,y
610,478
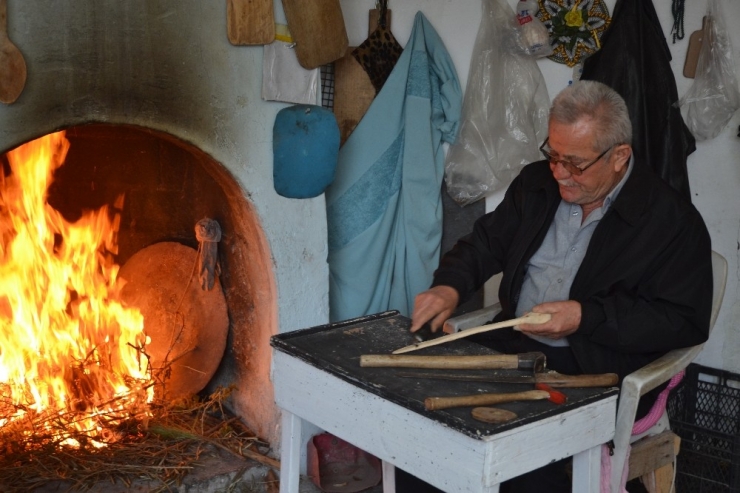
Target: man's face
x,y
574,143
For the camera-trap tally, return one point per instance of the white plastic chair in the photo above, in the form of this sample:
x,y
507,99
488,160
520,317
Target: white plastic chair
x,y
634,385
649,377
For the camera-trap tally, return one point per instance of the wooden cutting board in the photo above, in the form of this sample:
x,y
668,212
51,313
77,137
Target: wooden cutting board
x,y
250,22
353,91
353,94
317,27
692,54
12,63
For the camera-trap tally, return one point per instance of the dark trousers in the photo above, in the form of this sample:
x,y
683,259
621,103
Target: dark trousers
x,y
552,478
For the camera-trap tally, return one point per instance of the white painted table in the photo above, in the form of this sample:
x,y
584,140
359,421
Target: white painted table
x,y
317,379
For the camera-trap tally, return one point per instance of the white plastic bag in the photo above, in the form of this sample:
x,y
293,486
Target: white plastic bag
x,y
713,97
532,35
505,112
283,78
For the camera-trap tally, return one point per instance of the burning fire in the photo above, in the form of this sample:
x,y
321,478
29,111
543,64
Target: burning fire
x,y
68,350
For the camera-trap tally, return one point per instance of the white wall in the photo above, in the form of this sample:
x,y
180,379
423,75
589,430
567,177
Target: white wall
x,y
714,169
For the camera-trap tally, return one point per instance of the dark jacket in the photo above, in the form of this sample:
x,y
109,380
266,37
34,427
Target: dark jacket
x,y
645,284
635,61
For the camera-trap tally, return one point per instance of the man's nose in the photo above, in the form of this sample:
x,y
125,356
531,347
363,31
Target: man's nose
x,y
559,172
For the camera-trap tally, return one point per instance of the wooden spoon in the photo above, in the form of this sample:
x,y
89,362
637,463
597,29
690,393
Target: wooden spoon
x,y
529,318
12,64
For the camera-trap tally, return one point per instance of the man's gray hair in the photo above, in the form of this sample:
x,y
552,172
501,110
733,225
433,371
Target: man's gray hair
x,y
598,102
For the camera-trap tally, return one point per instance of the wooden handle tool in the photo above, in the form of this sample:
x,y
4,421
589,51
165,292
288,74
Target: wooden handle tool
x,y
551,378
543,392
435,403
534,361
529,318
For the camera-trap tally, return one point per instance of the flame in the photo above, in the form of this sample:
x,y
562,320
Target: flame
x,y
67,347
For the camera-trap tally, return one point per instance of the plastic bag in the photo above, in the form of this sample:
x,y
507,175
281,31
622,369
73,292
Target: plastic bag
x,y
283,78
713,97
532,35
505,111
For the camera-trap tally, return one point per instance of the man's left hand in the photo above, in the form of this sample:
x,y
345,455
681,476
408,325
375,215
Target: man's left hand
x,y
566,318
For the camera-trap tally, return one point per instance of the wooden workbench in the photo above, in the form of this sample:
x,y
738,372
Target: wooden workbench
x,y
317,378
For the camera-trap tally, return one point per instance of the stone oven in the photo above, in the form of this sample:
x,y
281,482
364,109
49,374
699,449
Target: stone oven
x,y
157,104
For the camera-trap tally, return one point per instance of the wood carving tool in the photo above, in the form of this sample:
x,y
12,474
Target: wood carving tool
x,y
555,396
435,403
551,378
529,318
533,361
425,333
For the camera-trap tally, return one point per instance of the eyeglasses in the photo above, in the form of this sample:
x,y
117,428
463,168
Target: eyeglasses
x,y
573,168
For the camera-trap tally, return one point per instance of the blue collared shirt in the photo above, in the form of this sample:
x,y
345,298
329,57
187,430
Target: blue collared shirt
x,y
551,270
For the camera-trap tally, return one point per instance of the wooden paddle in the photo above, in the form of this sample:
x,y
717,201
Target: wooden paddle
x,y
317,27
529,318
12,64
250,22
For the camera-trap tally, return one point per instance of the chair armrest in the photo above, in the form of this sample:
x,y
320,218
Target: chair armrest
x,y
472,319
634,386
661,370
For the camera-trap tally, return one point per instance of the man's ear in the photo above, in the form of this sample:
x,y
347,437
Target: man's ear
x,y
622,154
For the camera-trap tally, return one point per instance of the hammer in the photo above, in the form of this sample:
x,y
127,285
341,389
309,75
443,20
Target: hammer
x,y
533,362
543,392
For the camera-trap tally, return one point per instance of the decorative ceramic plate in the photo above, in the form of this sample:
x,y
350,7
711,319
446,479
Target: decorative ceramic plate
x,y
575,27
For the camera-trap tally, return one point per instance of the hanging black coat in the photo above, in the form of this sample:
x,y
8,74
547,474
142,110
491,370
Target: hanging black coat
x,y
634,60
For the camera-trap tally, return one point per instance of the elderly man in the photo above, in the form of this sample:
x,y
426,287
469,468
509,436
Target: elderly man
x,y
620,260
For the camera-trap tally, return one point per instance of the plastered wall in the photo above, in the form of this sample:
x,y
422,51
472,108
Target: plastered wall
x,y
714,169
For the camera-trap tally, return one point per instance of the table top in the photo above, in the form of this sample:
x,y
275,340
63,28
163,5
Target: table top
x,y
336,349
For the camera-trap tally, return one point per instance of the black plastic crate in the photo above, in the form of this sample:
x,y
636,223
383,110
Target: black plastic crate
x,y
704,411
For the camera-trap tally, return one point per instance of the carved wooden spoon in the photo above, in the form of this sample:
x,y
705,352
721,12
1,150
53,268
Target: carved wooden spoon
x,y
12,64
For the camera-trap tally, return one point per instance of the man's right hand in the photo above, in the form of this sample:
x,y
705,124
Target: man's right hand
x,y
435,305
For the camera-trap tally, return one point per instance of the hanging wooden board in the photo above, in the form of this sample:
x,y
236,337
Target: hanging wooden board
x,y
353,94
250,22
317,27
12,63
692,54
353,90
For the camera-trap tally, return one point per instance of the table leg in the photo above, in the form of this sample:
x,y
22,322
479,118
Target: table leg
x,y
290,455
389,477
587,470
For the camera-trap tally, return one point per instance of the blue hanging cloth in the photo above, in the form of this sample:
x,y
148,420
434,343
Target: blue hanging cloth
x,y
384,208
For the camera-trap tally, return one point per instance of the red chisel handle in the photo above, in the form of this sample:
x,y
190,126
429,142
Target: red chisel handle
x,y
555,396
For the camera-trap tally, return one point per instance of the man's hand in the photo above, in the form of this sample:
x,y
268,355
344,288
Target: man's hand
x,y
435,304
566,318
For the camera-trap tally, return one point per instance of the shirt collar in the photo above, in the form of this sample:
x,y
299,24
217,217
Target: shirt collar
x,y
615,191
